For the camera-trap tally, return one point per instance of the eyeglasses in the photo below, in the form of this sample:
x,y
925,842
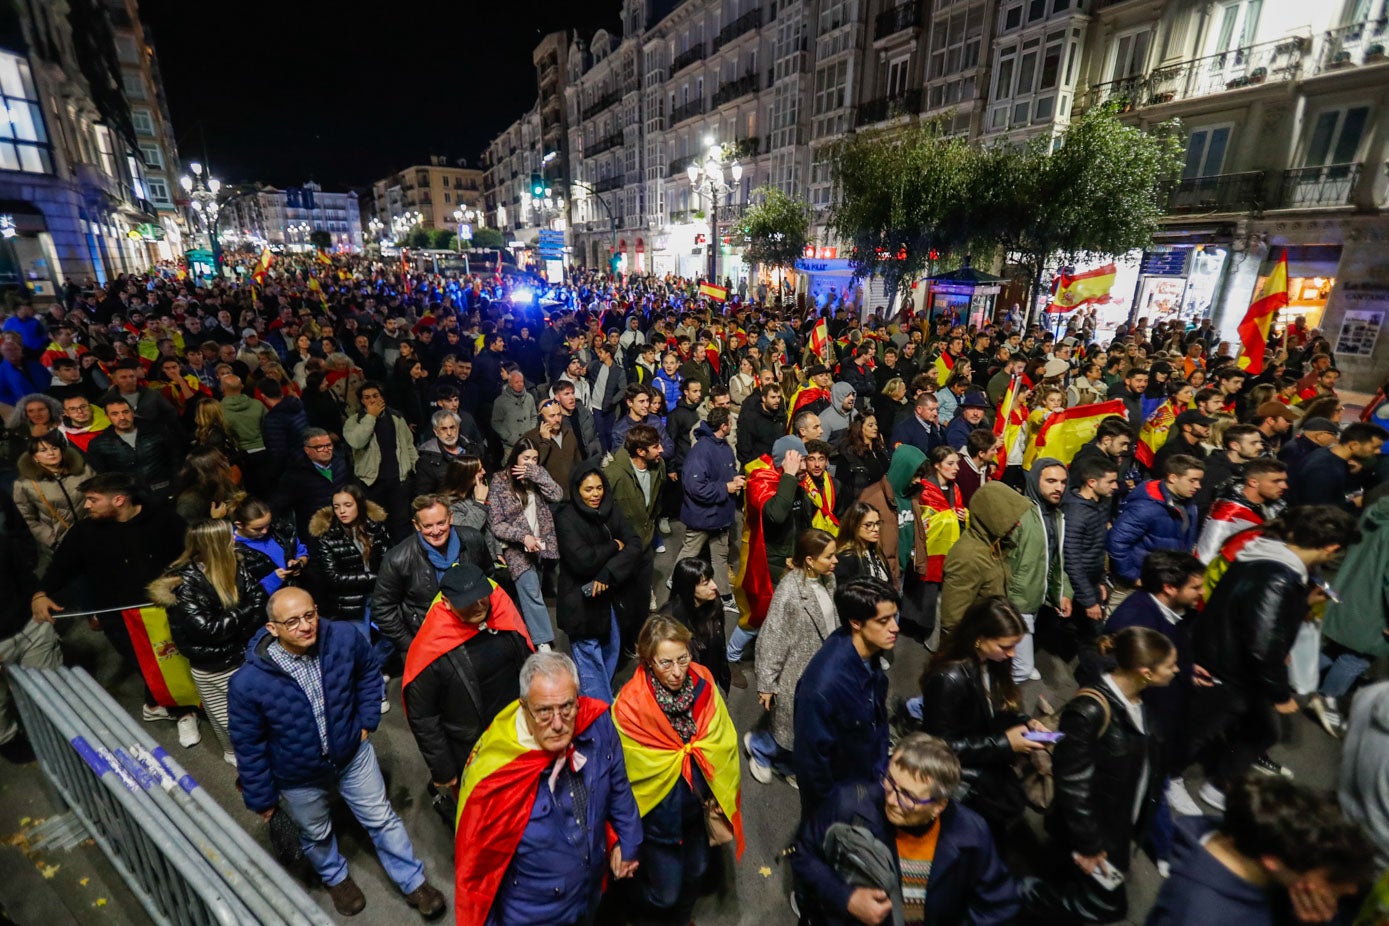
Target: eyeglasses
x,y
320,447
566,711
903,799
872,525
665,665
301,620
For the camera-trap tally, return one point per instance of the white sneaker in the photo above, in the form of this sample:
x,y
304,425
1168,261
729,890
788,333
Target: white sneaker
x,y
760,771
1213,796
664,525
229,758
1035,675
791,780
1179,799
730,604
385,705
1164,869
158,712
188,735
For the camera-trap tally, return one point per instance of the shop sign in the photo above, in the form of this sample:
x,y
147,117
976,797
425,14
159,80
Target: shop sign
x,y
806,265
1360,328
1165,262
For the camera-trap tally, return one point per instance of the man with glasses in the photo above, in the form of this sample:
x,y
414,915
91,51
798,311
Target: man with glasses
x,y
543,785
310,479
448,443
300,710
458,674
936,860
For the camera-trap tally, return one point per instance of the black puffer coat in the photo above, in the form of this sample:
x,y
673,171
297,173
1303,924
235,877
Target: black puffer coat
x,y
1087,526
344,578
588,551
212,636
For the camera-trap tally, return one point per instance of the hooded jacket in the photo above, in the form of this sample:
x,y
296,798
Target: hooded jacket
x,y
977,566
348,578
1363,761
835,419
1037,563
1201,890
709,467
1358,622
629,496
889,495
589,552
244,415
1151,519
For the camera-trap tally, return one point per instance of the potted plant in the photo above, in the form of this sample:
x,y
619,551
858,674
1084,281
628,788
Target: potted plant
x,y
1166,96
1258,75
1237,83
1340,59
1374,53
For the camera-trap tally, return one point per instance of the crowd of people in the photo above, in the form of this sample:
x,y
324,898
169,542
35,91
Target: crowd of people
x,y
346,473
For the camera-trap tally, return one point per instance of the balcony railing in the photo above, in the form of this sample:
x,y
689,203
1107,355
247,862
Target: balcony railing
x,y
731,212
1268,62
607,184
888,107
602,145
741,86
906,16
745,23
1331,185
746,147
681,216
677,167
1361,43
1242,192
603,102
688,57
681,113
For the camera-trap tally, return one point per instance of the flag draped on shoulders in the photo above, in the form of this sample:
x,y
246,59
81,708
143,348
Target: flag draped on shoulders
x,y
494,804
756,581
442,630
1253,331
657,758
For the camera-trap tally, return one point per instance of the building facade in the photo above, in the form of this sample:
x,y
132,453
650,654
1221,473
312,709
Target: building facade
x,y
435,190
287,218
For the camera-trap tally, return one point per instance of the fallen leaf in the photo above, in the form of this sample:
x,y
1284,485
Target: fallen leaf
x,y
764,871
84,881
100,902
48,871
24,821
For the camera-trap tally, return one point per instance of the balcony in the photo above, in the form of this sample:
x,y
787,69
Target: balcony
x,y
603,102
1307,187
1269,62
676,168
1361,43
890,22
888,107
691,109
731,212
681,216
745,23
686,58
746,147
607,184
1242,192
602,145
739,87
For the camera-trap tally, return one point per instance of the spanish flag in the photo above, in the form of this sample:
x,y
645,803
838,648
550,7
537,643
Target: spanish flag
x,y
820,340
1154,432
495,799
657,758
324,258
165,669
1066,431
1253,331
262,266
716,293
1010,419
1092,286
944,363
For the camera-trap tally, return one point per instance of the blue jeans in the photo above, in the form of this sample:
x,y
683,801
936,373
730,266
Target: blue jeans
x,y
768,751
364,791
532,605
1342,673
738,641
596,658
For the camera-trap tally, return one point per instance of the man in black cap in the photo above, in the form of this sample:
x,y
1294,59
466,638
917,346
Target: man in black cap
x,y
1190,428
1314,433
460,672
972,410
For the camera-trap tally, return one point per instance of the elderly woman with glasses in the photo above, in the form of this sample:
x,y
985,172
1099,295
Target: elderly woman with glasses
x,y
681,752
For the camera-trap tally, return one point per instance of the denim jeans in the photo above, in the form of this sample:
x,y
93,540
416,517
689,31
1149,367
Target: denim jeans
x,y
738,641
364,792
596,658
1341,673
768,751
532,605
1024,654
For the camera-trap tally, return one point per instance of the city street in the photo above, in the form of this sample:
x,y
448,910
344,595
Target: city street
x,y
80,887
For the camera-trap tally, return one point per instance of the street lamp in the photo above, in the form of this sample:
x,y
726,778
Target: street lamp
x,y
465,217
707,179
298,232
202,189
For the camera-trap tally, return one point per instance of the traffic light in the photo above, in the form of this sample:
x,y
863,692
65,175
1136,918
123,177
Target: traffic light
x,y
537,186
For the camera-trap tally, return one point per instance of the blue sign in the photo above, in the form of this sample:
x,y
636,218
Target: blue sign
x,y
1165,262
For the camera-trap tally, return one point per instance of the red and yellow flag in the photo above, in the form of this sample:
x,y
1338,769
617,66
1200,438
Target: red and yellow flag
x,y
657,758
1092,286
716,293
165,669
1009,420
820,340
262,266
944,363
324,258
1154,432
1066,431
1253,331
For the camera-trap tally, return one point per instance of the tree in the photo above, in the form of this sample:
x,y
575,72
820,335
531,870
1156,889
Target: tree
x,y
775,229
491,238
445,240
901,195
1099,190
323,240
419,237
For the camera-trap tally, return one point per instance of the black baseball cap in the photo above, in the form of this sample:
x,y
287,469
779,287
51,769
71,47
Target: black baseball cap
x,y
1192,416
464,585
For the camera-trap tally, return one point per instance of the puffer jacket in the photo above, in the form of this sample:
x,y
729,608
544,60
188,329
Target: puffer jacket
x,y
1151,519
1097,769
407,583
588,548
347,579
51,504
1251,619
977,565
709,467
272,724
209,634
1087,523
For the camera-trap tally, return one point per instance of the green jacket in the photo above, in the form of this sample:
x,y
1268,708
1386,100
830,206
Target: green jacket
x,y
1358,622
1035,580
627,493
243,415
359,431
901,472
977,565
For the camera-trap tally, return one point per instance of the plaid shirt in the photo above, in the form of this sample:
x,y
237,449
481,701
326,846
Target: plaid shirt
x,y
307,672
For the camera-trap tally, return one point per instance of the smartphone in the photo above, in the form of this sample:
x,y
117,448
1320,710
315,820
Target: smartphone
x,y
1043,736
1326,590
587,590
1108,877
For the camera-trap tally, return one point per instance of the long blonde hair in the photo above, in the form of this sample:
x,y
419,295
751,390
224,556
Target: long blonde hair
x,y
212,546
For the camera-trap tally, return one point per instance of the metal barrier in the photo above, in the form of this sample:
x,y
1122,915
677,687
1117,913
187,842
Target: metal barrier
x,y
181,854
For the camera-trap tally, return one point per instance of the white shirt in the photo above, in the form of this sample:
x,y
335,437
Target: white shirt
x,y
1135,710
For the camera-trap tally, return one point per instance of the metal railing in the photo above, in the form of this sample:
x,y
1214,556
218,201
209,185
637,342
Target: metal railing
x,y
888,107
184,858
689,110
602,145
607,184
1331,185
896,19
687,57
1348,46
738,87
608,99
745,23
1242,192
1267,62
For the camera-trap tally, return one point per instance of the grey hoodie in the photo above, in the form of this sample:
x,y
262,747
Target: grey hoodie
x,y
835,419
1364,790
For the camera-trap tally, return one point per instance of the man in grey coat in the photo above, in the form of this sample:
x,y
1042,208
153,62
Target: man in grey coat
x,y
513,414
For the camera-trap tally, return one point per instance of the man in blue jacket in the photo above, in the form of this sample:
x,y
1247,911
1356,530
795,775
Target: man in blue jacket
x,y
947,869
1158,515
299,711
709,510
922,427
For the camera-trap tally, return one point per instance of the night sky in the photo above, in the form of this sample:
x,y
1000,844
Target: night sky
x,y
295,90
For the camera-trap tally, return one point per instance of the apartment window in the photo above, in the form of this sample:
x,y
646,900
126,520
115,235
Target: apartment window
x,y
137,183
897,72
1012,17
830,85
448,197
159,191
1237,21
154,158
1336,136
134,84
1051,66
1003,83
1036,9
1131,55
23,140
1027,69
1205,151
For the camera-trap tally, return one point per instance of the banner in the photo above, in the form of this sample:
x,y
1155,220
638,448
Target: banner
x,y
165,669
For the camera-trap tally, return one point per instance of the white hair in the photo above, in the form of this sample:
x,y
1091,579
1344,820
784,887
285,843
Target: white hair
x,y
549,665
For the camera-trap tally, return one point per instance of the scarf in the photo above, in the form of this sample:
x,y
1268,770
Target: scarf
x,y
677,706
823,501
441,561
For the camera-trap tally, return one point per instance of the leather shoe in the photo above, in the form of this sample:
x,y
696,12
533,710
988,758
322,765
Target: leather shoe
x,y
347,897
426,899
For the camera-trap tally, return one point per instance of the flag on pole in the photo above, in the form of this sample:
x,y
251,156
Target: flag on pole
x,y
1090,287
1066,431
716,293
1253,331
1009,420
262,266
165,669
820,340
324,258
